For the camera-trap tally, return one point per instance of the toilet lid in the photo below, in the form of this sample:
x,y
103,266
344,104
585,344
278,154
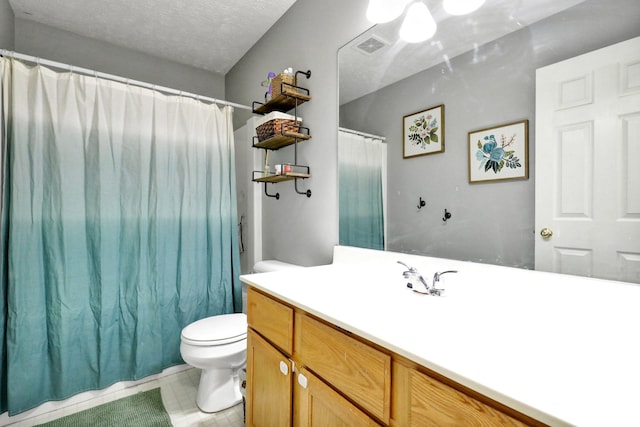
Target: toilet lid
x,y
216,330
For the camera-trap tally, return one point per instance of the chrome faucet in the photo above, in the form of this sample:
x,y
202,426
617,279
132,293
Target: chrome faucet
x,y
436,280
412,274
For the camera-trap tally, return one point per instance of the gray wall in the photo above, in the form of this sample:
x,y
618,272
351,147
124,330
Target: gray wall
x,y
39,40
6,25
491,222
298,229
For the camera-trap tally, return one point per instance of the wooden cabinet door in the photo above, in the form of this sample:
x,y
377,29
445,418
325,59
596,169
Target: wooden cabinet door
x,y
269,384
318,405
359,371
272,319
432,403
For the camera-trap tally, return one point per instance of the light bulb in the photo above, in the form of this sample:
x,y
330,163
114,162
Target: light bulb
x,y
380,11
461,7
418,25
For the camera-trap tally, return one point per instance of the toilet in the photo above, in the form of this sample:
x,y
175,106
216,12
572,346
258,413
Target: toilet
x,y
217,345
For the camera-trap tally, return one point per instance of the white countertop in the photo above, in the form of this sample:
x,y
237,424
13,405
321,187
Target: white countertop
x,y
562,349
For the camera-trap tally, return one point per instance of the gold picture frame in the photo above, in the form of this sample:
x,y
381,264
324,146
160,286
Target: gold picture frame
x,y
423,132
499,153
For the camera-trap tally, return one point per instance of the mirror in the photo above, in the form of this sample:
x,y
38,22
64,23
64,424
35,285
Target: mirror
x,y
482,68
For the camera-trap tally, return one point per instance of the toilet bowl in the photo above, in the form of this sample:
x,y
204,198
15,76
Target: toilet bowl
x,y
216,345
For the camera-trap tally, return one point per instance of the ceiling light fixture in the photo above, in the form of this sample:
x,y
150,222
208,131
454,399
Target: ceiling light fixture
x,y
380,11
461,7
418,24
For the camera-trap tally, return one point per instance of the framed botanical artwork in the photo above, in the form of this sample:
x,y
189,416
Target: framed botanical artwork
x,y
423,132
499,153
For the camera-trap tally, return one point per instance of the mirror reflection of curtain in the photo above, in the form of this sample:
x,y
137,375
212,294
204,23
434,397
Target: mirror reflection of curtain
x,y
360,170
121,225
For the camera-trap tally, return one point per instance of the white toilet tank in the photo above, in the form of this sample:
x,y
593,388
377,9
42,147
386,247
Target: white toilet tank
x,y
272,265
265,266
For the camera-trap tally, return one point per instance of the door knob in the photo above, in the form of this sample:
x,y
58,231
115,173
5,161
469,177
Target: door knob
x,y
546,233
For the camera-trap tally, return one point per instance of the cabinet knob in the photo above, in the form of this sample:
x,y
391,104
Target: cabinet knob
x,y
284,368
302,380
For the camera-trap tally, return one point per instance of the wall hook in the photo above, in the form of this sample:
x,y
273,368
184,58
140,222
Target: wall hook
x,y
422,203
447,215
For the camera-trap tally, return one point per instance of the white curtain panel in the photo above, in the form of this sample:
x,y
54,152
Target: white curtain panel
x,y
360,169
122,230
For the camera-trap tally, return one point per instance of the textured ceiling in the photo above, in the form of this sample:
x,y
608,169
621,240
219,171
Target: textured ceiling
x,y
362,73
208,34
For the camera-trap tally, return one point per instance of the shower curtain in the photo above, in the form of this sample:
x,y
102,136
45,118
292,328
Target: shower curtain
x,y
360,168
118,229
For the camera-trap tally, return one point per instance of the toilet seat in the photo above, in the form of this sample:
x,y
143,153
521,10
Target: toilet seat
x,y
216,330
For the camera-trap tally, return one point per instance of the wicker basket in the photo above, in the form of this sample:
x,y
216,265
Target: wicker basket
x,y
282,82
276,123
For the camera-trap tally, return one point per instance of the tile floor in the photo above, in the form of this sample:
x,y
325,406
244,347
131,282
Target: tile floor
x,y
178,386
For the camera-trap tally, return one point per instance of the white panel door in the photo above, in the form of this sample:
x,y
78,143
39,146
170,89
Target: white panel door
x,y
588,164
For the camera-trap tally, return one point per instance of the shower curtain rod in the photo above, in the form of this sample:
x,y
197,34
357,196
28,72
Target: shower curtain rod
x,y
113,77
368,135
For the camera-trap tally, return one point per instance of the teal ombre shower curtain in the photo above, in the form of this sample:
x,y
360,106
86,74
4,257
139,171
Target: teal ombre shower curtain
x,y
120,229
360,163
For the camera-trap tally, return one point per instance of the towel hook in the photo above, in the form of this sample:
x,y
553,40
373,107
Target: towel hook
x,y
421,204
447,215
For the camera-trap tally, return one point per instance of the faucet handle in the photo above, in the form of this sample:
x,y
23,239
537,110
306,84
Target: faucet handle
x,y
436,276
409,268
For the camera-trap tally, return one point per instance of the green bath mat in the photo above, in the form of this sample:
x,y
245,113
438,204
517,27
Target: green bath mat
x,y
140,410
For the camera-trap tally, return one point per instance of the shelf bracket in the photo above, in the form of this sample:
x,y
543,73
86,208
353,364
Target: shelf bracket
x,y
307,74
277,195
308,192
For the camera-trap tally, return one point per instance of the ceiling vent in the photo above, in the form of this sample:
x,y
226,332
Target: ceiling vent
x,y
371,45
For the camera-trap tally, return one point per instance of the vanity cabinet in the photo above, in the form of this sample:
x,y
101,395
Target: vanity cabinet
x,y
304,371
